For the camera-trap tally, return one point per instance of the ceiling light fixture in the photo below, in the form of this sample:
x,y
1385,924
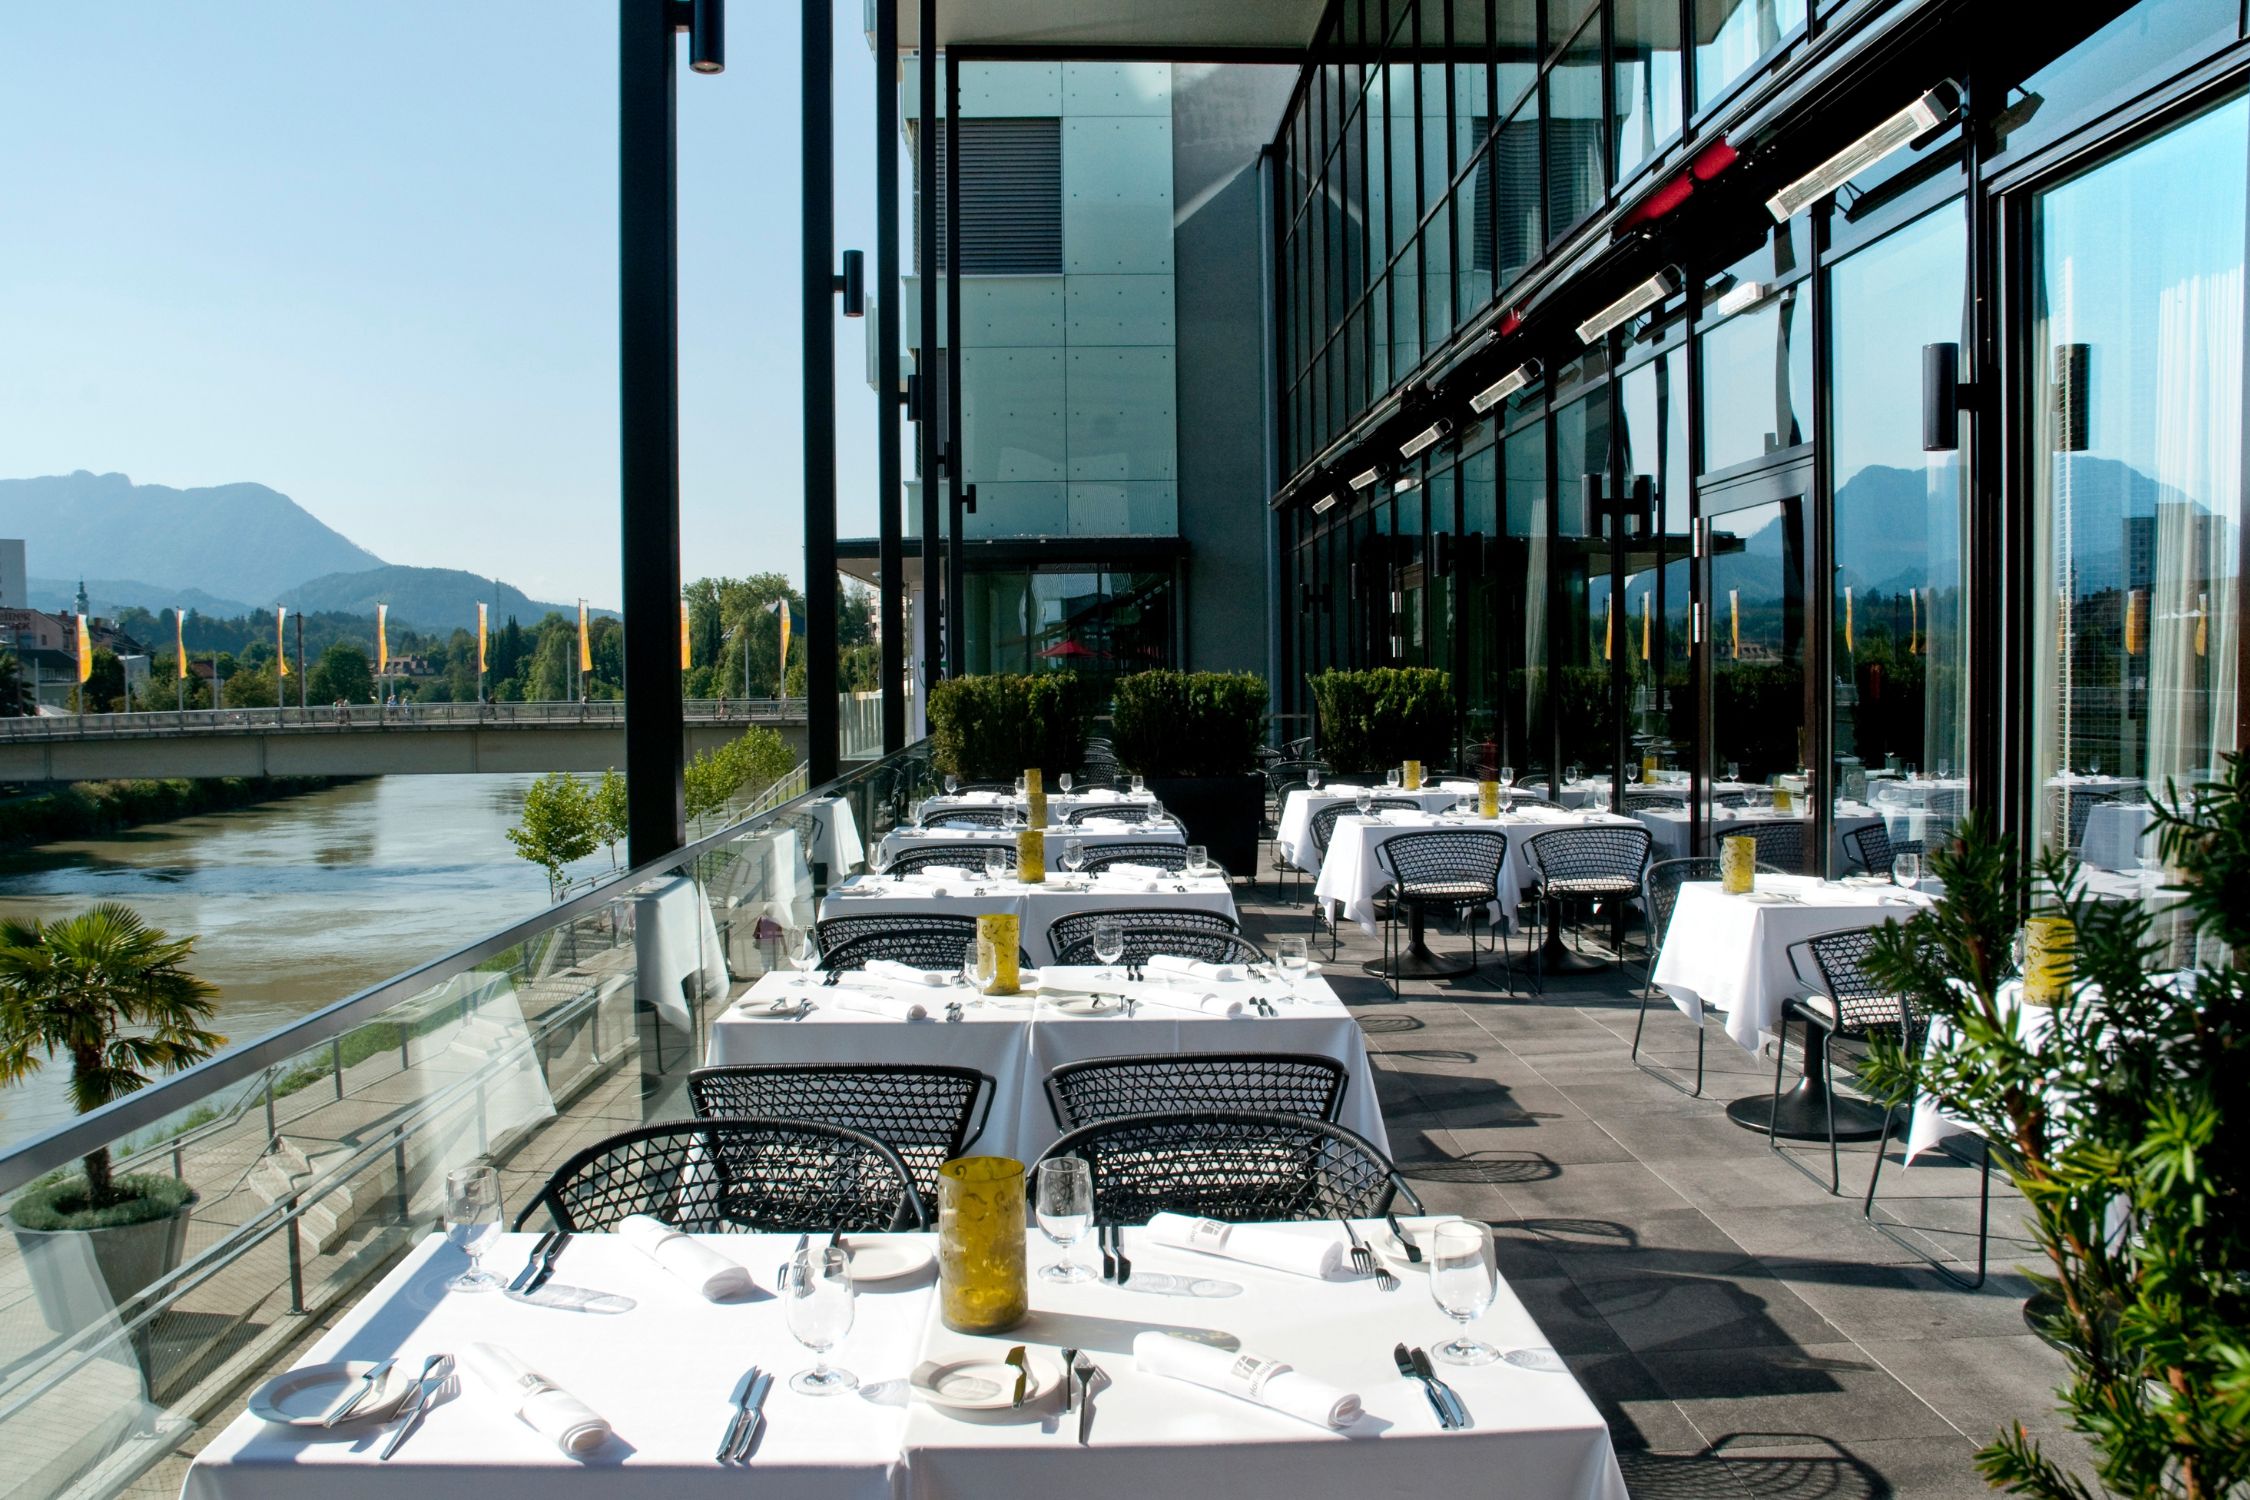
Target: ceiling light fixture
x,y
1743,294
1323,505
1367,478
1639,300
1506,386
1924,114
1428,437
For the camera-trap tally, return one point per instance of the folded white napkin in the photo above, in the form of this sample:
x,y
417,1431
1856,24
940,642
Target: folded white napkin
x,y
896,1007
1210,1005
898,973
1194,968
545,1407
688,1258
1138,872
1253,1244
1110,825
1268,1382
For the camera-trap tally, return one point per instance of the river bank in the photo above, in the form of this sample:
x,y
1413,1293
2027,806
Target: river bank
x,y
87,809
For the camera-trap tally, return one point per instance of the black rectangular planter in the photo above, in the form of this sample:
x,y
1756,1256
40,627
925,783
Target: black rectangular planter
x,y
1224,814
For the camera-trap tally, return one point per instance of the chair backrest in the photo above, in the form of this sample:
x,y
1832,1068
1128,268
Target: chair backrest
x,y
1074,926
1107,1088
1007,787
1781,841
1324,821
1730,799
925,1112
1122,812
1241,1166
1145,942
741,1176
968,854
1530,799
967,817
1592,856
1100,857
1863,1007
1637,798
1869,847
1445,864
926,941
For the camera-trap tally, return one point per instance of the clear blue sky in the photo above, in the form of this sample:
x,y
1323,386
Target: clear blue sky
x,y
366,253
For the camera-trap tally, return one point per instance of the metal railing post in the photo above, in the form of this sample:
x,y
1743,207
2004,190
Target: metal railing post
x,y
273,1127
336,1064
296,1263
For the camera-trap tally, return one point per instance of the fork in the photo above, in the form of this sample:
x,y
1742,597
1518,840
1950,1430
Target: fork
x,y
1364,1261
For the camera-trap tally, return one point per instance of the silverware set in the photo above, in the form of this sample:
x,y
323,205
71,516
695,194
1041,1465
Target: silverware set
x,y
358,1391
1444,1400
1405,1240
439,1365
749,1416
1116,1268
1364,1261
544,1253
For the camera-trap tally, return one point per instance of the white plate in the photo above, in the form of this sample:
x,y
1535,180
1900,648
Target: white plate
x,y
985,1382
886,1259
1388,1250
1085,1005
299,1397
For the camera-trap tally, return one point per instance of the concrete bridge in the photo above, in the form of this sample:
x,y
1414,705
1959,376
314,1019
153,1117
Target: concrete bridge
x,y
365,740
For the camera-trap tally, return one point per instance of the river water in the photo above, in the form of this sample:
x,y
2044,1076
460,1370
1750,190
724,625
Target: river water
x,y
296,903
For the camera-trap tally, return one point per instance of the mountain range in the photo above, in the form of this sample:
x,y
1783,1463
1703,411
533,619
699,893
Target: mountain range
x,y
224,550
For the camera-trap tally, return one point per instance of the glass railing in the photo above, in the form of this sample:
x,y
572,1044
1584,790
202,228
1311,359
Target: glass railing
x,y
316,1155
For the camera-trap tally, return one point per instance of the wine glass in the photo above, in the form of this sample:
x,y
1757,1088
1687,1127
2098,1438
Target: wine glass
x,y
1015,816
1506,776
1198,860
1390,778
1064,781
1734,770
816,1301
1109,945
472,1222
1906,869
1294,958
879,859
1462,1282
952,785
1312,777
1023,785
1944,770
995,864
1138,785
804,956
1065,1210
1074,856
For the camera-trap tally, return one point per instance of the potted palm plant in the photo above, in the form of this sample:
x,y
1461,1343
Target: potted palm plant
x,y
1194,738
113,995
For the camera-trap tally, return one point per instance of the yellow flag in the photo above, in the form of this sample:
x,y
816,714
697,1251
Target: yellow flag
x,y
281,638
2136,620
585,641
382,639
1734,618
784,606
1848,646
1647,603
480,637
687,650
2202,624
1913,619
85,650
1609,626
179,643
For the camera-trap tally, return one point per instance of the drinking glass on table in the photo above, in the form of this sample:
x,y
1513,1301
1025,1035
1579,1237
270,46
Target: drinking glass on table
x,y
1390,778
1023,785
1506,776
952,785
879,859
1074,856
1138,785
995,863
1109,945
1734,770
472,1223
816,1302
804,955
1198,860
1463,1279
1064,1206
1363,799
1294,958
1906,869
1064,781
1312,777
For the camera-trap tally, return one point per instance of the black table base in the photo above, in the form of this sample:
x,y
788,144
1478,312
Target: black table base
x,y
1803,1111
1416,960
1556,957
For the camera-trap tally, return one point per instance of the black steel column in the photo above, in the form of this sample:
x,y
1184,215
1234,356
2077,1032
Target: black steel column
x,y
956,604
890,566
820,390
929,420
649,428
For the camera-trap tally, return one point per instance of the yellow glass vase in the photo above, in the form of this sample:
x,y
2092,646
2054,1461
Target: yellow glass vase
x,y
1031,856
982,1286
1035,809
1034,784
1410,776
1648,770
1738,864
2049,960
1488,799
998,936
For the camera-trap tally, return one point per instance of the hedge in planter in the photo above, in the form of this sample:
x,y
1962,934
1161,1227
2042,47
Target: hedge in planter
x,y
989,728
1189,723
1371,720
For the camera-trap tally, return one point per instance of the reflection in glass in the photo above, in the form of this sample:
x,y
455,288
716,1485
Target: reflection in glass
x,y
1645,74
1730,37
1757,637
1526,740
1757,375
1574,131
1098,624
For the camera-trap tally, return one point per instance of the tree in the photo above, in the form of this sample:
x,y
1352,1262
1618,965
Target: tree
x,y
249,687
15,693
102,691
554,659
343,671
112,994
754,762
610,812
2122,1113
558,827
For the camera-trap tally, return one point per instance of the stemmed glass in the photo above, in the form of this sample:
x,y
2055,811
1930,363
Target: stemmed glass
x,y
1294,958
1065,1210
1734,770
472,1222
1506,776
1463,1279
1023,785
1390,778
804,956
1109,945
995,864
1198,860
1312,777
952,785
1363,799
816,1298
1064,781
879,859
1906,869
1074,856
1138,784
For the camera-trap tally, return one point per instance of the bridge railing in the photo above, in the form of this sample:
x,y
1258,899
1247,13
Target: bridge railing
x,y
317,1154
404,716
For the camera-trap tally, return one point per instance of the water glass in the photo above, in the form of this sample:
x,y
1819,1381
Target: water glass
x,y
952,785
1506,776
1906,869
1295,959
804,954
1023,785
816,1302
1463,1279
1074,856
1064,1206
1390,778
1363,799
1312,777
1198,860
1064,781
879,859
995,864
1138,785
1945,770
472,1223
1109,944
1734,770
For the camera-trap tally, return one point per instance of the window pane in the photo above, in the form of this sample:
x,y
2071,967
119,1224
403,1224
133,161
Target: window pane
x,y
1646,76
1517,234
1757,382
1731,35
1406,312
1522,575
1574,132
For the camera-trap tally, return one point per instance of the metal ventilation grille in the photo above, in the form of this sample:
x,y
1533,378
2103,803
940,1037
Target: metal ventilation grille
x,y
1011,197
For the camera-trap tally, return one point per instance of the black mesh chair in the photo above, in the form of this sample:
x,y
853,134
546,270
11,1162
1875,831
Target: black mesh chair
x,y
968,855
1241,1166
1277,802
1847,1003
1100,857
1323,831
967,817
754,1176
1585,866
1869,846
1730,799
1637,798
1660,893
1107,1088
924,941
1122,812
1073,927
924,1112
1006,788
1452,872
1145,943
1781,841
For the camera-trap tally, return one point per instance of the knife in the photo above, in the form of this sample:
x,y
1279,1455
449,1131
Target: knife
x,y
1405,1363
531,1262
1124,1266
1413,1251
415,1403
357,1392
754,1414
547,1261
1452,1398
1023,1375
741,1415
1086,1372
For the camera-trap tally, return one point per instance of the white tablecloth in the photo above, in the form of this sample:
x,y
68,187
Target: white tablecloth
x,y
1060,805
1036,906
1058,837
837,842
676,950
1351,875
663,1374
1292,838
1017,1039
1731,953
2113,837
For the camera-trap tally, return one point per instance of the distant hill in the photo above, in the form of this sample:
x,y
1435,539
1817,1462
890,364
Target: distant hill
x,y
429,599
239,541
110,595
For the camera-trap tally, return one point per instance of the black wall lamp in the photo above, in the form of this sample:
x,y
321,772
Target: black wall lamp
x,y
1942,395
851,282
705,22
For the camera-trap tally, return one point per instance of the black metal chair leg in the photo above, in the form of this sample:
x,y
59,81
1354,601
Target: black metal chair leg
x,y
1780,1054
1828,1077
1984,1215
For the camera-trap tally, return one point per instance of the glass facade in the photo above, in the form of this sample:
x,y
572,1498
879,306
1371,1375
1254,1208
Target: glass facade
x,y
1097,622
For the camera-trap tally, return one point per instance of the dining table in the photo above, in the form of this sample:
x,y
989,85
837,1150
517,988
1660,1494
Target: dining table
x,y
1064,1015
1157,831
1669,826
939,891
659,1371
1292,838
1060,804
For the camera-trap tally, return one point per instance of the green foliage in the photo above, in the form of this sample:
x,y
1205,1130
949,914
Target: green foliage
x,y
2135,1100
744,766
610,812
990,728
104,690
65,1204
1368,721
15,693
114,996
85,808
344,672
557,828
249,687
1189,723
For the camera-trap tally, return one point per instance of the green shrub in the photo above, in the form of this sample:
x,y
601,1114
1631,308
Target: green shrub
x,y
1368,721
1189,723
63,1205
989,728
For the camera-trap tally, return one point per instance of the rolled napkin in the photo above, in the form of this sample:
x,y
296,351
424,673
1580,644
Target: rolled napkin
x,y
1138,872
1302,1254
1195,968
895,1007
897,973
684,1256
1267,1382
543,1406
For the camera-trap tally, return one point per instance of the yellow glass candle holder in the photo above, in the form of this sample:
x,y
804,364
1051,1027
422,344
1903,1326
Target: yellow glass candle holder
x,y
1648,770
1488,799
1033,783
2050,959
1035,809
1738,864
982,1285
1031,856
999,931
1784,800
1410,776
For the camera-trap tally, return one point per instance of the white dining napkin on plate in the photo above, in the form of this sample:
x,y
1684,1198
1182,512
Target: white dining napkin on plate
x,y
1195,968
1268,1382
894,972
684,1256
1252,1244
875,1003
545,1407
